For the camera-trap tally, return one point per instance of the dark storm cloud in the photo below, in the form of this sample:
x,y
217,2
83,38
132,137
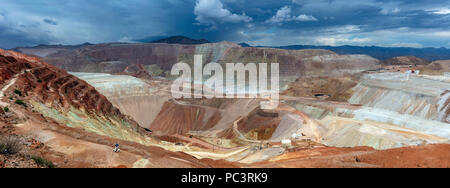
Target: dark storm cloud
x,y
263,22
11,38
14,34
50,21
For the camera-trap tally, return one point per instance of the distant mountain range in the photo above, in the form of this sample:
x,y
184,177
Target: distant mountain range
x,y
181,40
382,53
43,46
244,44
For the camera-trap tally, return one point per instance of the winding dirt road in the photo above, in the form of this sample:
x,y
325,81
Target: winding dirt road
x,y
7,86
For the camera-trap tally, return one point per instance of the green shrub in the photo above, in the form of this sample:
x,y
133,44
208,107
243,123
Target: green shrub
x,y
39,81
20,102
6,109
9,145
154,70
43,162
18,92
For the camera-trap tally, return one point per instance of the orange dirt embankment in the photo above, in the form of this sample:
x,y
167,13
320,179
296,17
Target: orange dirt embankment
x,y
259,124
180,119
428,156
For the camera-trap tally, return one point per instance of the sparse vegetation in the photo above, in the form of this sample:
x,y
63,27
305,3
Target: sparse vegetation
x,y
154,70
43,162
21,102
9,145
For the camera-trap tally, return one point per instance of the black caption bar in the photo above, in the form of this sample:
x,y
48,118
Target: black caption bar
x,y
212,177
232,178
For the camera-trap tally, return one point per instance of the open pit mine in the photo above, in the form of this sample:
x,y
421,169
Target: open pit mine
x,y
71,105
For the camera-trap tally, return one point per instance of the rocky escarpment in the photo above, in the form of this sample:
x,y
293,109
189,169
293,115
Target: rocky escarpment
x,y
181,119
303,63
444,107
119,57
384,110
395,112
51,85
437,67
210,118
113,58
133,96
329,88
418,96
35,86
405,60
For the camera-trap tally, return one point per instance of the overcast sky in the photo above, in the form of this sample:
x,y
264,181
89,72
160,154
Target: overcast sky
x,y
407,23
